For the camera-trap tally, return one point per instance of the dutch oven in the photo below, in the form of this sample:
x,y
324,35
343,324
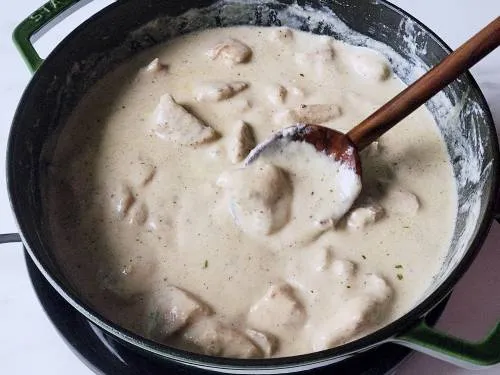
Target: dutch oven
x,y
129,26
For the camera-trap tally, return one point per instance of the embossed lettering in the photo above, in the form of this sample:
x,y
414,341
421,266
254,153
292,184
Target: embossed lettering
x,y
58,3
36,17
45,10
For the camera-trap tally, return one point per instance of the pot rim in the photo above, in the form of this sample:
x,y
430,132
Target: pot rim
x,y
366,342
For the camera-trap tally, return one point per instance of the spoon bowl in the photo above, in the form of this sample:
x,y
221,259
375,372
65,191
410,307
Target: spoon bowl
x,y
326,140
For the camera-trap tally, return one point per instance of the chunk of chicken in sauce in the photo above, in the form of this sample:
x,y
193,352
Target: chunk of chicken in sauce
x,y
277,311
309,114
352,300
265,341
231,51
260,197
214,338
156,66
318,61
128,205
242,142
354,314
216,91
174,123
369,65
361,217
171,309
128,280
402,202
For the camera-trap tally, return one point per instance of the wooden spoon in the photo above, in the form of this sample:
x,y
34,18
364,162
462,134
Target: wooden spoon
x,y
346,147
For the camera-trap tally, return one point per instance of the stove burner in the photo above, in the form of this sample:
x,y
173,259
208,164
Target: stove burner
x,y
104,355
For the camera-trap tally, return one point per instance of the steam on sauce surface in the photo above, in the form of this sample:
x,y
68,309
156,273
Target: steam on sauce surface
x,y
161,231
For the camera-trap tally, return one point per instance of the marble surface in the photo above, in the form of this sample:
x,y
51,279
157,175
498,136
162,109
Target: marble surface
x,y
29,344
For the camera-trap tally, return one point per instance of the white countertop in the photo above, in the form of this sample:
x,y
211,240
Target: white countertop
x,y
29,343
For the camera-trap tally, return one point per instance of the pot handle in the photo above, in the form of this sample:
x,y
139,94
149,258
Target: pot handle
x,y
38,22
10,237
467,354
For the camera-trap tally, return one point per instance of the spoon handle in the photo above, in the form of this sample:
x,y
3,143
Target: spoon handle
x,y
426,86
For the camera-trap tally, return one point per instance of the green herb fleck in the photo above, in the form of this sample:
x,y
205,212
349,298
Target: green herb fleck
x,y
399,276
205,265
398,266
348,287
363,256
406,226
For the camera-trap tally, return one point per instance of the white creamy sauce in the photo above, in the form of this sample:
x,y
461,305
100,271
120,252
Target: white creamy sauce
x,y
162,229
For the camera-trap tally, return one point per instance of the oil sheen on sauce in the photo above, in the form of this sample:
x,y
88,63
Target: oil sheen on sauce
x,y
162,231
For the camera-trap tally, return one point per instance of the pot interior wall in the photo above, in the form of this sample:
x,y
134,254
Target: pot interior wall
x,y
134,25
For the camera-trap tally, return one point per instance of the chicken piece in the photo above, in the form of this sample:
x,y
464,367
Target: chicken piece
x,y
324,55
276,94
171,309
362,217
266,342
281,34
176,124
355,315
231,51
130,280
318,62
369,65
402,202
277,311
309,114
122,200
316,113
260,197
241,143
217,91
155,66
377,287
138,214
213,338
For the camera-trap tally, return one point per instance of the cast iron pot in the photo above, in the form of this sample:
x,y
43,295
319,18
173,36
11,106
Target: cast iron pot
x,y
125,28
